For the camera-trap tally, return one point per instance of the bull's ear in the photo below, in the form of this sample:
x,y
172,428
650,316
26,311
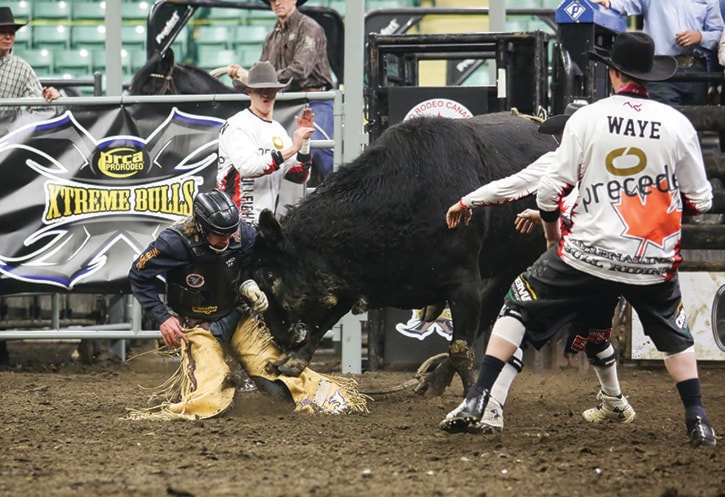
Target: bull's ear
x,y
269,228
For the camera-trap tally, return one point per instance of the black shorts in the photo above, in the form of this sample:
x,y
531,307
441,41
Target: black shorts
x,y
551,294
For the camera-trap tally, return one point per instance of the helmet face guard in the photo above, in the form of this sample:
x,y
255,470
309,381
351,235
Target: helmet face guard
x,y
216,213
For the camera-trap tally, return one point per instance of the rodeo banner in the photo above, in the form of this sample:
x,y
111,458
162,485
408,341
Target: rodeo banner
x,y
86,188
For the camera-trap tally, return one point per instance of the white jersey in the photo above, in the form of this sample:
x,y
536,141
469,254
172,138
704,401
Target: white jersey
x,y
637,164
247,169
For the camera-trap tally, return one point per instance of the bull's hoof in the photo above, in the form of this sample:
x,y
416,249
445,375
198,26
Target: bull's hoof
x,y
461,355
292,367
435,383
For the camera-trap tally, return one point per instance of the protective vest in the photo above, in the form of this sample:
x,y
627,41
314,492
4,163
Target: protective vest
x,y
207,287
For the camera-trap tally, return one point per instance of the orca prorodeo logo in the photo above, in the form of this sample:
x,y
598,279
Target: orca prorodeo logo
x,y
120,162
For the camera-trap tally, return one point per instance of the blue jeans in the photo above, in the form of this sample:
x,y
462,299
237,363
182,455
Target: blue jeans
x,y
322,158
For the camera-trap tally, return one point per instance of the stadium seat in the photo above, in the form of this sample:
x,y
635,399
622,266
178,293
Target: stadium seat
x,y
131,11
250,35
338,6
98,60
133,36
535,24
479,77
88,36
51,10
248,55
51,37
229,15
219,37
384,4
77,63
88,10
523,4
137,59
517,24
41,60
264,17
211,58
24,38
22,11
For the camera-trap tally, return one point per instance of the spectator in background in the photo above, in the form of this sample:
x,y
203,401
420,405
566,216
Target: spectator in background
x,y
17,78
255,151
297,48
714,65
684,29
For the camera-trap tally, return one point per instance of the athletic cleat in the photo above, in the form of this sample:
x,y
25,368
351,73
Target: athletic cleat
x,y
467,415
610,408
700,432
492,420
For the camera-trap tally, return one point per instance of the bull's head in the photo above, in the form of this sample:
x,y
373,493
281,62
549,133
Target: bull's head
x,y
305,298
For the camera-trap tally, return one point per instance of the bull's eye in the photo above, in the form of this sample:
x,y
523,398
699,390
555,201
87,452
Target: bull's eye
x,y
269,277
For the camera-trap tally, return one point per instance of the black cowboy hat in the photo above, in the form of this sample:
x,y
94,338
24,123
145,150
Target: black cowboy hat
x,y
7,19
263,75
633,53
299,2
555,124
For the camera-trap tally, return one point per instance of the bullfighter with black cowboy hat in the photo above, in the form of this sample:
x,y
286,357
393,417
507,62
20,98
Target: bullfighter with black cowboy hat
x,y
638,167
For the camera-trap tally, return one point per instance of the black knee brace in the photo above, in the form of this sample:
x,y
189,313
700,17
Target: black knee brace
x,y
516,363
595,348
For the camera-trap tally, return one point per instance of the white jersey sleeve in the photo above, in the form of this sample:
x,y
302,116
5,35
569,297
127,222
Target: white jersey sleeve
x,y
511,188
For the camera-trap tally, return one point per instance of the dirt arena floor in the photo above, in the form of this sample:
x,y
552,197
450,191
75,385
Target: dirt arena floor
x,y
64,434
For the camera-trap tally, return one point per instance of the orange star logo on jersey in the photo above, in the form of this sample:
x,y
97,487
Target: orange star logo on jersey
x,y
652,217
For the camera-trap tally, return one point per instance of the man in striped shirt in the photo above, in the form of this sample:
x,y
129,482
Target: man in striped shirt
x,y
17,78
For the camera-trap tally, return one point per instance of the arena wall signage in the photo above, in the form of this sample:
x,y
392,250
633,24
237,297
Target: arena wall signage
x,y
86,189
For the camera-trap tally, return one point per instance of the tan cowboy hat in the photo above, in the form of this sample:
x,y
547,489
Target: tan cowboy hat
x,y
7,19
263,75
299,2
555,124
633,53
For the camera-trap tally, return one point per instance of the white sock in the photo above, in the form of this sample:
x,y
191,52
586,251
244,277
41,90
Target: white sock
x,y
607,375
500,389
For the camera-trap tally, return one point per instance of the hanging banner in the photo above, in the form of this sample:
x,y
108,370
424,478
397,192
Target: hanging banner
x,y
87,189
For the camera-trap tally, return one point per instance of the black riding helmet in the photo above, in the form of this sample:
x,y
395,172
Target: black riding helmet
x,y
216,213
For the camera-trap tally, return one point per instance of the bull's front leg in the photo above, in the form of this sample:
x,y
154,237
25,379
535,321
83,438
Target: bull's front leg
x,y
461,355
465,307
294,361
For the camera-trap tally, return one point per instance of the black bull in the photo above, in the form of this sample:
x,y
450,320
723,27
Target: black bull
x,y
374,235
